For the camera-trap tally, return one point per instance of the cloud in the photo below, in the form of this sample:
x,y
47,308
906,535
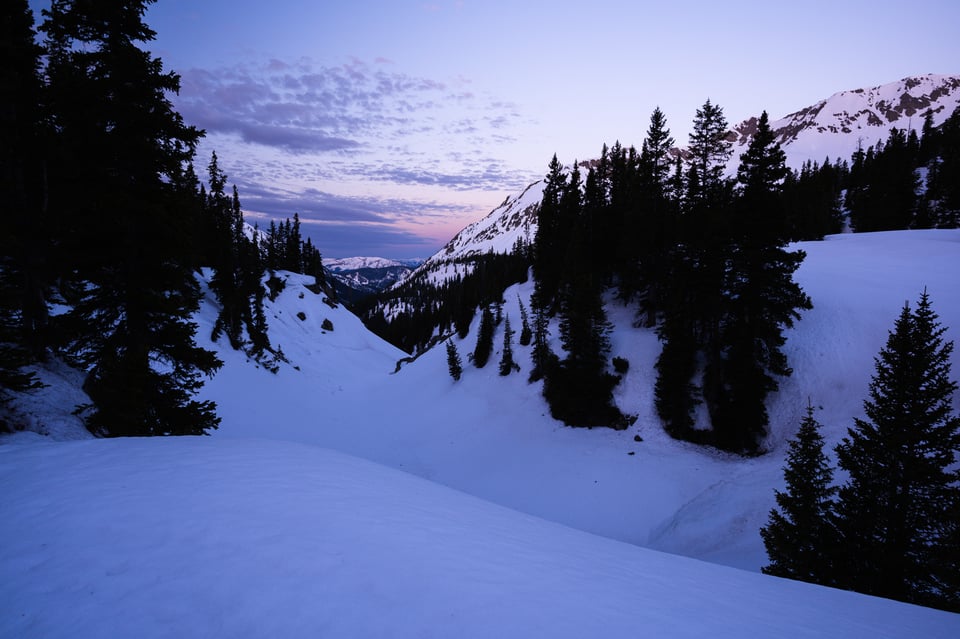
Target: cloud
x,y
296,135
343,226
301,107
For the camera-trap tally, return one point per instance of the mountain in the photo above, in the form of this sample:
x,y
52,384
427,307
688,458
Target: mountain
x,y
356,278
834,128
307,513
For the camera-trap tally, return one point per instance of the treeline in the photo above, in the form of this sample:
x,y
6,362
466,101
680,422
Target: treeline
x,y
415,314
107,219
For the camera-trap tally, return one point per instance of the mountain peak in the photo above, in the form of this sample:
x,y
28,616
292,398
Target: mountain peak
x,y
834,127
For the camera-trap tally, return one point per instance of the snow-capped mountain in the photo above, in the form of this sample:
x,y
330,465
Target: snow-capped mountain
x,y
513,221
357,277
836,126
347,264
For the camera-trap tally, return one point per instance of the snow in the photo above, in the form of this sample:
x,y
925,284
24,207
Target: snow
x,y
254,538
338,265
344,498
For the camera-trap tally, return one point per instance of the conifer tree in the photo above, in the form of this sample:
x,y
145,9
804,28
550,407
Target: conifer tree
x,y
894,513
507,365
223,252
541,356
121,151
551,239
481,353
697,272
526,333
799,536
658,232
454,364
760,298
23,240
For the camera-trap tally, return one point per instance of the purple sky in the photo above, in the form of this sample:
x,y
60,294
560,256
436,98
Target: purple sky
x,y
390,125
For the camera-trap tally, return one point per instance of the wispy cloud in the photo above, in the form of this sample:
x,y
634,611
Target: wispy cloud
x,y
293,133
304,107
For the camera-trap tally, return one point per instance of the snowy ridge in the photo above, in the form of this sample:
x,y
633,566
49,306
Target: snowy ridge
x,y
498,232
338,265
835,127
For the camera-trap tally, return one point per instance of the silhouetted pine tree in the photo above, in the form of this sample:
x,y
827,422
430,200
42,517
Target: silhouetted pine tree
x,y
697,264
895,512
481,353
224,255
657,233
24,240
526,333
121,148
551,240
454,364
760,298
799,535
507,365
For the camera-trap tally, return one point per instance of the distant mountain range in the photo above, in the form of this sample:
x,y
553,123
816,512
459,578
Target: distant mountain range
x,y
355,278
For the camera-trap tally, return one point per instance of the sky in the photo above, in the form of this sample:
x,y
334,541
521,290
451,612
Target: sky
x,y
389,125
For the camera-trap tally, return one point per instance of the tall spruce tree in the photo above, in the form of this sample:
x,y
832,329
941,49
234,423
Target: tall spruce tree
x,y
578,388
657,233
481,352
895,513
799,537
760,298
507,365
454,364
25,238
121,151
526,333
697,276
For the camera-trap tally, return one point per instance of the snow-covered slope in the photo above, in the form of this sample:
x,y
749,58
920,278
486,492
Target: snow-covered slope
x,y
200,537
515,219
241,534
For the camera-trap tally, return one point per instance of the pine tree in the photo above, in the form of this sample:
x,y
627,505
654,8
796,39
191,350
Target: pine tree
x,y
759,298
526,333
541,356
894,513
121,151
223,254
551,240
23,241
697,267
657,234
799,536
481,353
507,365
454,363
